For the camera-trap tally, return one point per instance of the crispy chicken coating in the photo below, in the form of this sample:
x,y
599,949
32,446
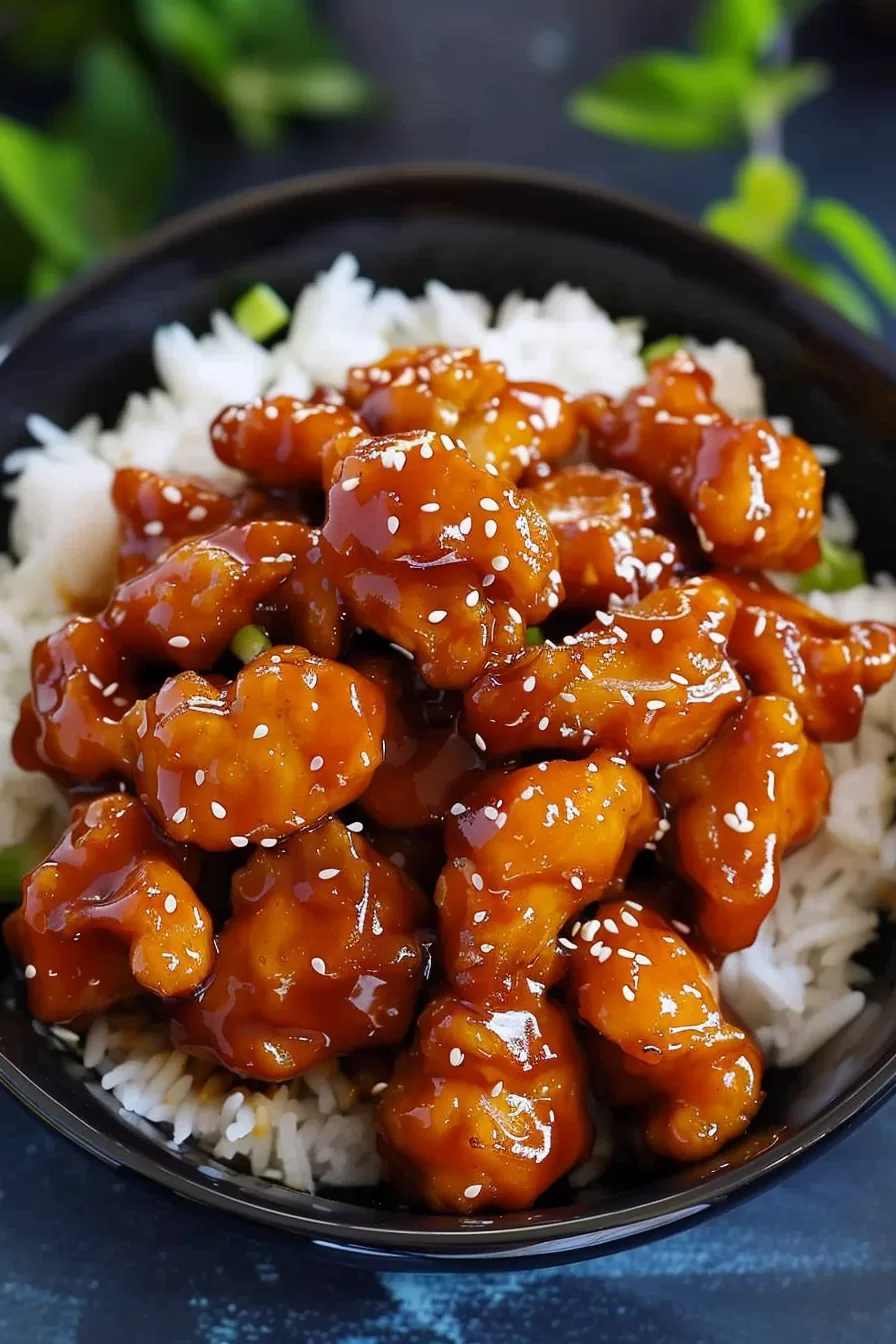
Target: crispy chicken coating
x,y
504,425
612,534
757,790
438,556
826,667
665,1046
653,680
753,494
525,852
427,764
489,1107
107,912
80,687
292,738
321,956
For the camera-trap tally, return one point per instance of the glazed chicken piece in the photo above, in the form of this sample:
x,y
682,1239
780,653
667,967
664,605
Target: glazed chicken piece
x,y
108,912
307,607
653,680
759,789
280,442
488,1108
156,512
438,556
664,1047
289,740
753,494
826,667
80,686
427,764
527,851
321,956
503,425
186,608
612,535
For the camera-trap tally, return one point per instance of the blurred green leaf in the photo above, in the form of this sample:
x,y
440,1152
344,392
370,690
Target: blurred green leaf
x,y
45,276
763,213
834,286
193,35
666,100
859,242
46,34
737,27
15,862
775,93
838,570
126,139
45,182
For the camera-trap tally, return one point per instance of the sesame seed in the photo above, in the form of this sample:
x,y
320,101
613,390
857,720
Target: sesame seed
x,y
466,526
497,1089
477,881
490,528
486,947
717,637
365,759
589,930
565,942
472,1191
628,994
316,762
611,926
268,843
656,704
179,642
110,689
576,882
30,971
628,919
218,810
598,949
678,679
261,731
351,483
239,841
552,600
586,672
488,580
627,696
456,1057
318,964
529,684
543,723
759,534
429,508
199,777
642,960
500,562
479,916
172,494
605,954
491,813
378,1088
480,741
656,636
492,470
472,598
197,513
355,826
271,411
626,953
153,528
179,816
326,873
490,505
436,617
392,523
170,904
760,625
426,450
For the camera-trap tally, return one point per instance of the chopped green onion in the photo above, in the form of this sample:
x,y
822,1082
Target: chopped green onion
x,y
661,349
838,569
535,635
15,862
249,642
261,312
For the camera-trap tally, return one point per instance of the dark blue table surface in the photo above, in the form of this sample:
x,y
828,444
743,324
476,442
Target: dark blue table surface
x,y
91,1257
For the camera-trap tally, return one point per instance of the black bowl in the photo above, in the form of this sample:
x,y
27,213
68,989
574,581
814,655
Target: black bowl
x,y
492,230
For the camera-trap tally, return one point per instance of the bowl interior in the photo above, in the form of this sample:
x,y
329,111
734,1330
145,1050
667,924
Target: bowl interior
x,y
493,232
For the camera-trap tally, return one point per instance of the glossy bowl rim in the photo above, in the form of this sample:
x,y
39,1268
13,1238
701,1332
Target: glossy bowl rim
x,y
409,1232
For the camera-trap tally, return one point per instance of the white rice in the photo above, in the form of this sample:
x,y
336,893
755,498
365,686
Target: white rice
x,y
796,986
